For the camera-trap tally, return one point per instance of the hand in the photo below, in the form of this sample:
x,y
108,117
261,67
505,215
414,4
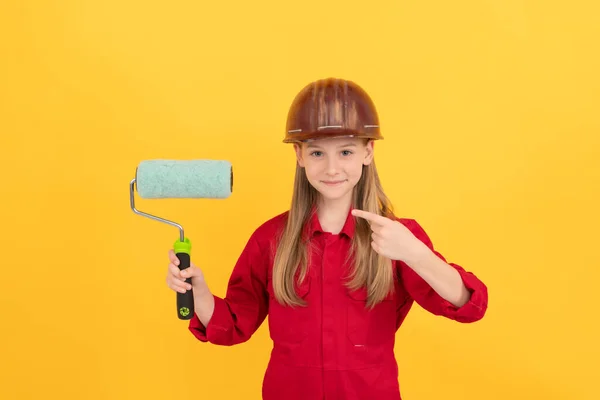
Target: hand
x,y
176,277
391,239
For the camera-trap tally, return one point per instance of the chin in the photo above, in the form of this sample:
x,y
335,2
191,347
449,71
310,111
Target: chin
x,y
329,196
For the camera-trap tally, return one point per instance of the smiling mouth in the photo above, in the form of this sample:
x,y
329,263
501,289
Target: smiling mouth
x,y
333,183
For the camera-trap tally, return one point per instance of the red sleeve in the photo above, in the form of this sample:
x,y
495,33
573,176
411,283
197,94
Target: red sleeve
x,y
237,316
430,300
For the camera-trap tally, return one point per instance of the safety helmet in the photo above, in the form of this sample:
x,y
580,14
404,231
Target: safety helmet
x,y
330,108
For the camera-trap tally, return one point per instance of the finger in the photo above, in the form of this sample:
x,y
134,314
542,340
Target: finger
x,y
190,272
178,285
375,247
179,289
376,237
376,230
369,216
173,257
174,271
175,274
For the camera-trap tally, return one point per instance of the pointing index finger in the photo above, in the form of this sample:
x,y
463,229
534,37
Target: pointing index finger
x,y
369,216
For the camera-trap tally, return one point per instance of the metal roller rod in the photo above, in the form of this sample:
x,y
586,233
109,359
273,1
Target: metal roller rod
x,y
131,194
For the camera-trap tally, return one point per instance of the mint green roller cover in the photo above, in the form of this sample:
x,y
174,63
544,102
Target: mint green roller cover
x,y
159,179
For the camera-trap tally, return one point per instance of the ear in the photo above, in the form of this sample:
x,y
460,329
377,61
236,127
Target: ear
x,y
298,150
369,154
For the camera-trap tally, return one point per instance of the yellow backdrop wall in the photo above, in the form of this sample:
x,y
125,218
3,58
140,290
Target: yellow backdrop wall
x,y
490,116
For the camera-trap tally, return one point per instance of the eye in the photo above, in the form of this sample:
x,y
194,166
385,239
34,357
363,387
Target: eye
x,y
346,152
315,153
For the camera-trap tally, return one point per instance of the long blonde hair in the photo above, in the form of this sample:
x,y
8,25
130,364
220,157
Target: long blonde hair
x,y
369,269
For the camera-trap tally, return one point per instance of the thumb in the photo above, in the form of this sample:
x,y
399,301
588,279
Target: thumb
x,y
190,271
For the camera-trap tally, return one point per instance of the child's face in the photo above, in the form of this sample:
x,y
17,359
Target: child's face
x,y
334,166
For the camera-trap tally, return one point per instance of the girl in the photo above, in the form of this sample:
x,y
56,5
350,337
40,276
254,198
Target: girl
x,y
337,273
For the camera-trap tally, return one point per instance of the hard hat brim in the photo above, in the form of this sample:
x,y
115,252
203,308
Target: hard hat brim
x,y
310,136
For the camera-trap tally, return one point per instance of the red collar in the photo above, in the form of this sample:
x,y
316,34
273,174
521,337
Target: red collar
x,y
314,225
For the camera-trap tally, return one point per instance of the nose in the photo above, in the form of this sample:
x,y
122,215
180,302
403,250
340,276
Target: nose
x,y
332,166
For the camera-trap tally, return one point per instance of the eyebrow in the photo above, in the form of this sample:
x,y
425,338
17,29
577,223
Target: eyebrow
x,y
315,146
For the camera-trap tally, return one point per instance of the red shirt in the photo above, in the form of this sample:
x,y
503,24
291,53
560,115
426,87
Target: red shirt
x,y
334,348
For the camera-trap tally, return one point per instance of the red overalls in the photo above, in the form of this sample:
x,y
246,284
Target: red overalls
x,y
334,348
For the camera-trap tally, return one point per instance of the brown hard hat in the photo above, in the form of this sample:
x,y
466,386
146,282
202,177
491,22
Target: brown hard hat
x,y
332,108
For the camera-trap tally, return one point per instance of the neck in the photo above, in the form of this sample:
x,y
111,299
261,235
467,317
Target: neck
x,y
333,213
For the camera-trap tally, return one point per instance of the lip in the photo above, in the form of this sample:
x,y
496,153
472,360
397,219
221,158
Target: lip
x,y
333,183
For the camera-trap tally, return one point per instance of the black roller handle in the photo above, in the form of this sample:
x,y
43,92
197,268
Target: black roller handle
x,y
185,301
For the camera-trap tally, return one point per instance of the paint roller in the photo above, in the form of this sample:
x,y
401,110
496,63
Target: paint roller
x,y
189,179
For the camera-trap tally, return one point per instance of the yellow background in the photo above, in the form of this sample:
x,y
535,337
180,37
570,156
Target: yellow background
x,y
490,111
